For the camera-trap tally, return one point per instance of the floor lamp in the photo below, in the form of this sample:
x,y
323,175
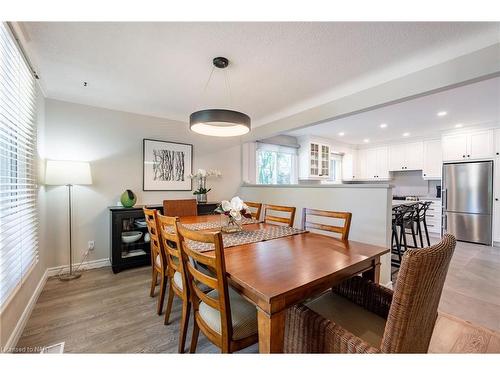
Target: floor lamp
x,y
69,173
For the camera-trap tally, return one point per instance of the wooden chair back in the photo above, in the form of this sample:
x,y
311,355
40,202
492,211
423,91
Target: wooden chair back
x,y
415,301
269,218
257,207
180,207
342,230
155,240
168,229
218,282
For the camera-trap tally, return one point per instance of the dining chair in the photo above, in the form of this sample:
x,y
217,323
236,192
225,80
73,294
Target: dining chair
x,y
158,261
257,207
269,218
175,274
342,230
180,207
360,316
224,317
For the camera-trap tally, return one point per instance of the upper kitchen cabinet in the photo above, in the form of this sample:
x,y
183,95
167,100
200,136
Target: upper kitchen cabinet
x,y
433,160
468,146
314,160
406,156
349,165
372,164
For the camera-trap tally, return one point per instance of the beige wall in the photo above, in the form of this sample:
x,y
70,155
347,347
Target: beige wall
x,y
370,206
112,142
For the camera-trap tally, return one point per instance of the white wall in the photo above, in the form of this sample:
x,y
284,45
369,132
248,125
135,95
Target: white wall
x,y
112,142
370,207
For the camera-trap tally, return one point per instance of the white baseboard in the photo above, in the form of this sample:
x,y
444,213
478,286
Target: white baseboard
x,y
23,319
98,263
52,271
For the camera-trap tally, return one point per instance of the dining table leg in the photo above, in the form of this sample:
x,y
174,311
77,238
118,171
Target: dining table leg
x,y
373,274
271,331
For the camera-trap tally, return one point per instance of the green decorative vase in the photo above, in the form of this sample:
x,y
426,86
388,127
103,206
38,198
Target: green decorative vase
x,y
128,198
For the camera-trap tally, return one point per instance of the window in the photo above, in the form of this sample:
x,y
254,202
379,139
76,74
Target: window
x,y
276,164
335,167
18,189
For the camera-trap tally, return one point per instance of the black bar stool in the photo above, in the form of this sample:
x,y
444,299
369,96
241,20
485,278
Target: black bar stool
x,y
420,221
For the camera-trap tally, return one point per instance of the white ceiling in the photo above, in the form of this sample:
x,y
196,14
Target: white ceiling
x,y
276,68
471,105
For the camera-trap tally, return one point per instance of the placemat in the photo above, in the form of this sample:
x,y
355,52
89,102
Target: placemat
x,y
216,224
246,237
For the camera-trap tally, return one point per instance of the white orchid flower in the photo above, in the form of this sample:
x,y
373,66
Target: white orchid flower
x,y
234,207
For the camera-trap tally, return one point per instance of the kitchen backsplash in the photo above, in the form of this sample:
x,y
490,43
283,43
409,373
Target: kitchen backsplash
x,y
412,183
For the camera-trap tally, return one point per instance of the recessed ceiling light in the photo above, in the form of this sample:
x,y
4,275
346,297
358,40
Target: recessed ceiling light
x,y
458,125
366,140
383,126
442,113
406,134
341,134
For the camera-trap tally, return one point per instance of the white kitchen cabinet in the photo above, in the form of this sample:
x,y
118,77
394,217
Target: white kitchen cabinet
x,y
468,146
433,217
406,156
314,160
372,164
433,160
349,166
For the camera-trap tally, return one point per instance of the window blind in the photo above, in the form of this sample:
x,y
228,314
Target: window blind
x,y
18,185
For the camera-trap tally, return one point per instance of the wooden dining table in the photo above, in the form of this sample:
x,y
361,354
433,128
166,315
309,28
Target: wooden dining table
x,y
276,274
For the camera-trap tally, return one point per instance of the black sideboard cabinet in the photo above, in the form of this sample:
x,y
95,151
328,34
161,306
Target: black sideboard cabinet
x,y
137,253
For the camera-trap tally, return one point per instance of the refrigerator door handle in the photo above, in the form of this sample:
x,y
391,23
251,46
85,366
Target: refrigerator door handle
x,y
445,223
445,199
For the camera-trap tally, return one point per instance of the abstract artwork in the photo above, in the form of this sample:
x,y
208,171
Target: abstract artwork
x,y
167,165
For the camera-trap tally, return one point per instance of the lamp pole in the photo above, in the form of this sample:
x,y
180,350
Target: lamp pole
x,y
70,275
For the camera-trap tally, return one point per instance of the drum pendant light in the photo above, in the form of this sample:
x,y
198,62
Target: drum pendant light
x,y
219,122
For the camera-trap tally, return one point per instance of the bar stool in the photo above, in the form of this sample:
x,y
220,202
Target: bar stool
x,y
402,219
421,221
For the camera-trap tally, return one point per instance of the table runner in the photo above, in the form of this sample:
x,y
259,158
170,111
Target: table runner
x,y
246,237
217,223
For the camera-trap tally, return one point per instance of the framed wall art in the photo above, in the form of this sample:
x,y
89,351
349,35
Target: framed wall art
x,y
166,165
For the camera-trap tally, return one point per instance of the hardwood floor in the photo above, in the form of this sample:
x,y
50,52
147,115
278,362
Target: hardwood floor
x,y
106,313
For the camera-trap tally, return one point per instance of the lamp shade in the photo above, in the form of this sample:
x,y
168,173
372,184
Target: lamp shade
x,y
61,172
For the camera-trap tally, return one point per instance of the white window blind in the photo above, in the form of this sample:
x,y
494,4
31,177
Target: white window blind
x,y
18,185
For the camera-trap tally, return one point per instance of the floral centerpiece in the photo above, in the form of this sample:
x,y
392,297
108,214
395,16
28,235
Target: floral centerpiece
x,y
201,176
231,214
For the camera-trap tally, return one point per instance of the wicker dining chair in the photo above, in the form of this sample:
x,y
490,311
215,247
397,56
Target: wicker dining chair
x,y
257,207
368,318
158,260
273,219
342,231
224,317
175,274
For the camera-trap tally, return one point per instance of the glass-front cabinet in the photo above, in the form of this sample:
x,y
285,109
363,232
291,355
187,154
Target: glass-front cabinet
x,y
314,159
130,245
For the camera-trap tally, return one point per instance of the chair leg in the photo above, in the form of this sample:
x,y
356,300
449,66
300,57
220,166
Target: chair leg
x,y
154,277
419,230
170,300
412,228
403,238
186,310
427,234
161,297
194,338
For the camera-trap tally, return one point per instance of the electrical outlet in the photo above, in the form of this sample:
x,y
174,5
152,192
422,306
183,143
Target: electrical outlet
x,y
91,245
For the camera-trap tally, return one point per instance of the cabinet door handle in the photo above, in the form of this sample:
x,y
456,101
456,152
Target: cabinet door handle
x,y
463,156
468,156
496,199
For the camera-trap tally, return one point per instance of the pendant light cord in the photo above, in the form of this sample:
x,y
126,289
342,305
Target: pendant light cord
x,y
228,87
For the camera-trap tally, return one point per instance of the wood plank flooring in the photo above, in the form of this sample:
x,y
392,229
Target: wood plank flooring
x,y
106,313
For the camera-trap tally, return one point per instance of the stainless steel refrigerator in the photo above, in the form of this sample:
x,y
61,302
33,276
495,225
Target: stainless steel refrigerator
x,y
468,200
